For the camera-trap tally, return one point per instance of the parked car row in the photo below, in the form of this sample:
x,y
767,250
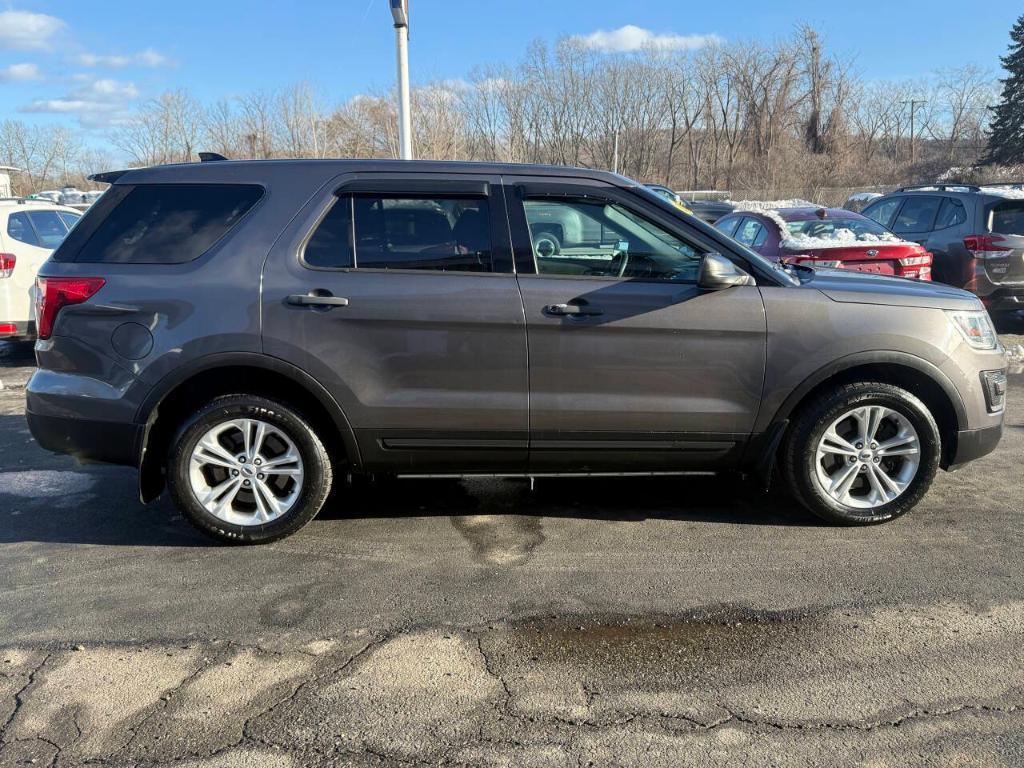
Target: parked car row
x,y
827,237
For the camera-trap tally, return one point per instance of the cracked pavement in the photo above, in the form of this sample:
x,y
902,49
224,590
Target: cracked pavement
x,y
606,623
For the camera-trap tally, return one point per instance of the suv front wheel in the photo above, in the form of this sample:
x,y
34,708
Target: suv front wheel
x,y
864,453
249,470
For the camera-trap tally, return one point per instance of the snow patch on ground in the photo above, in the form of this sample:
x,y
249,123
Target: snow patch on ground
x,y
44,483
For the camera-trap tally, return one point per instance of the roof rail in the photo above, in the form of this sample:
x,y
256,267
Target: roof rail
x,y
23,200
211,157
944,186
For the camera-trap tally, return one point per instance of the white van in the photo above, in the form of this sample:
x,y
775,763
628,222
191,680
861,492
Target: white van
x,y
29,231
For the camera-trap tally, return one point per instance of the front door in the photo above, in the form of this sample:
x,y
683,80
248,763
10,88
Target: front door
x,y
632,366
396,292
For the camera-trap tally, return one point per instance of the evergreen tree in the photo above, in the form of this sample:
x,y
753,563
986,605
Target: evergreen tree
x,y
1006,136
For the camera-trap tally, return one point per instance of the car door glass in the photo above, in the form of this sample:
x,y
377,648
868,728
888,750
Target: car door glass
x,y
19,228
951,213
883,210
749,231
595,238
728,226
917,214
49,227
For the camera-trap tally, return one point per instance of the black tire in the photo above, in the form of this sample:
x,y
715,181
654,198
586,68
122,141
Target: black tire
x,y
317,473
547,244
799,448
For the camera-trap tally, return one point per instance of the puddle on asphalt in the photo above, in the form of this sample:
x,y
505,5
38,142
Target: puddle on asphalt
x,y
500,540
683,646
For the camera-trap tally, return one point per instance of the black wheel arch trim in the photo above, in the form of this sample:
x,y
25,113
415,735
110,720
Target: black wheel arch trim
x,y
151,485
881,357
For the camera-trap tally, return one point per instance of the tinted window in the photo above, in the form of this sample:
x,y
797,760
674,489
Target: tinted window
x,y
917,214
50,228
600,239
168,223
19,228
1008,218
951,213
69,219
728,225
883,210
330,247
446,234
749,231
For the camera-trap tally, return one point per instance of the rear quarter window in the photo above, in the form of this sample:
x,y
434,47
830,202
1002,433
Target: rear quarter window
x,y
168,223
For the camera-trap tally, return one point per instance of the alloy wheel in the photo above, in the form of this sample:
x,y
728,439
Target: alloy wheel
x,y
867,457
246,472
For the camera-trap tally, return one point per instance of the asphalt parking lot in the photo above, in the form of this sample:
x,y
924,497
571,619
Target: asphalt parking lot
x,y
606,622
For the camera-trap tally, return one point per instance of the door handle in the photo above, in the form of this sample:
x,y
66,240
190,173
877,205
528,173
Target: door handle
x,y
571,310
316,300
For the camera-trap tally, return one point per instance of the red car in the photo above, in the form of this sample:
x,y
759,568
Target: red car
x,y
827,237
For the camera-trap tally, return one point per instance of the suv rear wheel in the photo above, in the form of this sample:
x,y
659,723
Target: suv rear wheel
x,y
864,453
248,470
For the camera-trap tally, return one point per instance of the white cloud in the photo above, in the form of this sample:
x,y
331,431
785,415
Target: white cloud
x,y
94,101
146,58
634,38
28,31
20,73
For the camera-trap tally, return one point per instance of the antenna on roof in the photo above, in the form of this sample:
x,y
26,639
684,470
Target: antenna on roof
x,y
210,157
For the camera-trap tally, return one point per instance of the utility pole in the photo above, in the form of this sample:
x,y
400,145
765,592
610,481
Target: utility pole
x,y
400,14
615,153
914,104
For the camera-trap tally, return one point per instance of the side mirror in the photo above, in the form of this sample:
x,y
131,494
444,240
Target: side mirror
x,y
718,273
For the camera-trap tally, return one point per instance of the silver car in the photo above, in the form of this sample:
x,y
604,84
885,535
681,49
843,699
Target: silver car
x,y
246,333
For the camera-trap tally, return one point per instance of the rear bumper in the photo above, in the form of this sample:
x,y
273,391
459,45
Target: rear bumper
x,y
86,439
972,444
11,330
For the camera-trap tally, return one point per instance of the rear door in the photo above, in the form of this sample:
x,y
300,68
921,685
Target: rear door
x,y
916,218
632,367
396,292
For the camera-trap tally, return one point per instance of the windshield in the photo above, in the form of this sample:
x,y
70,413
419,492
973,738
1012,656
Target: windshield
x,y
836,229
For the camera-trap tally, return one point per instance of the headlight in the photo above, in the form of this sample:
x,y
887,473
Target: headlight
x,y
976,328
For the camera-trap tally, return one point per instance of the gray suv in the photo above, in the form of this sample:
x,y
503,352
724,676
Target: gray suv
x,y
247,333
975,235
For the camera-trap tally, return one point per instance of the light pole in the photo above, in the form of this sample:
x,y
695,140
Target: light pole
x,y
400,13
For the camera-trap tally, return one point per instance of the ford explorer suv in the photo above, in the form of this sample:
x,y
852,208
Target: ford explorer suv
x,y
247,334
975,235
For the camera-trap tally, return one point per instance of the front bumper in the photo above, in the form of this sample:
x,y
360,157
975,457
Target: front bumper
x,y
1004,300
972,444
87,440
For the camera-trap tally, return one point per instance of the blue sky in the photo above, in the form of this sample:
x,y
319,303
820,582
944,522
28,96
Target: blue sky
x,y
87,63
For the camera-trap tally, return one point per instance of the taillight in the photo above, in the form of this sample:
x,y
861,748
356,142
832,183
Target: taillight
x,y
915,261
54,293
7,261
987,246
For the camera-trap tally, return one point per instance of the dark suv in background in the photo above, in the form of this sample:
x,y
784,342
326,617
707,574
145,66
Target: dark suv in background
x,y
975,235
249,332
